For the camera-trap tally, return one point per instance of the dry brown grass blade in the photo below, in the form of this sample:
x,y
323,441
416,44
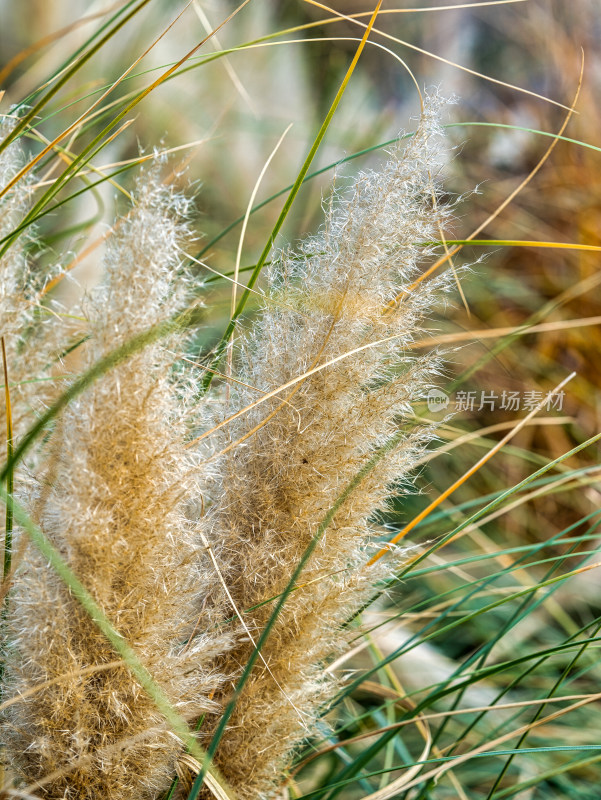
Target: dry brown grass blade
x,y
450,7
64,154
393,788
583,248
249,206
437,772
378,689
495,333
462,437
423,726
138,160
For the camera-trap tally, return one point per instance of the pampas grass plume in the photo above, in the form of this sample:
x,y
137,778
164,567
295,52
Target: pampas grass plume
x,y
190,591
289,459
114,503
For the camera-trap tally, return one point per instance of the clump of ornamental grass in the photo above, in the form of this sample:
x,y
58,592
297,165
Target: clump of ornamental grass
x,y
192,561
185,557
330,352
115,500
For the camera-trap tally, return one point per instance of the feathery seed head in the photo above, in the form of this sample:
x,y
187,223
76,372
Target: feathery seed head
x,y
118,481
332,310
123,498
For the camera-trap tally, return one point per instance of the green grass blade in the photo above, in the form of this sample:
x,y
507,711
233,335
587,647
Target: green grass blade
x,y
71,59
24,122
522,786
97,143
9,478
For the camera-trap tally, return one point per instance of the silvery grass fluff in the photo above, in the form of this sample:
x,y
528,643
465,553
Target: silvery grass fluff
x,y
287,459
114,499
32,340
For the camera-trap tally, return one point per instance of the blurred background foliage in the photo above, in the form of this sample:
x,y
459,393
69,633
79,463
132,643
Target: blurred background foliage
x,y
514,69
